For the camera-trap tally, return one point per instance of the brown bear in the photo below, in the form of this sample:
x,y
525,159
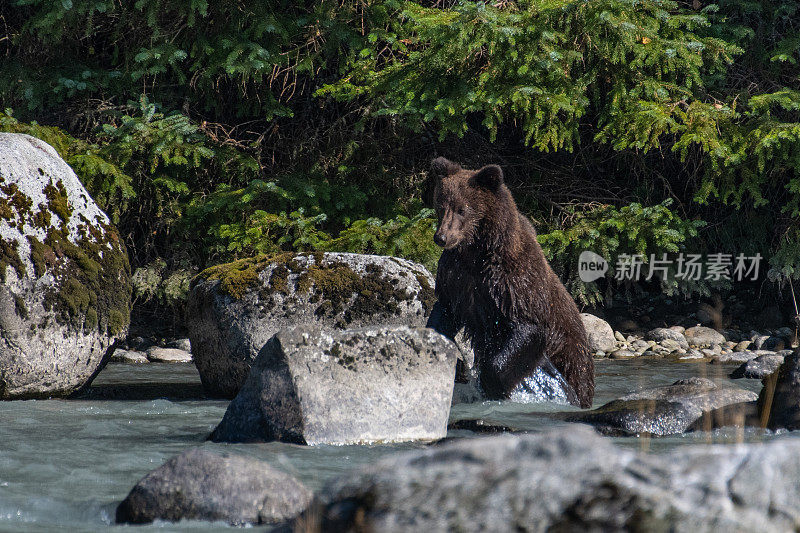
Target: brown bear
x,y
494,281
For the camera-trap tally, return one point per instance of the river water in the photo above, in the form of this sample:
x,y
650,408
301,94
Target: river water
x,y
65,464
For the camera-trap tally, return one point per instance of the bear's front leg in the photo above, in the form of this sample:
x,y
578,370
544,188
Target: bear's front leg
x,y
443,321
518,357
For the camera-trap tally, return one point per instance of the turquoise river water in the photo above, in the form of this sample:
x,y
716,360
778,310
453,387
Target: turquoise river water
x,y
65,464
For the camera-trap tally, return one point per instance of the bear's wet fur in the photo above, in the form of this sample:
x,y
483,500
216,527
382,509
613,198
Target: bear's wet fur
x,y
494,282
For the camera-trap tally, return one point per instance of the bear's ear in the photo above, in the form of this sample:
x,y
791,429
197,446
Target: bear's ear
x,y
444,167
489,177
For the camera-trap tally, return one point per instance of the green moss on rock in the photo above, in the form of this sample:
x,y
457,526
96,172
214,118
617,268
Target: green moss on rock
x,y
279,279
42,218
94,288
42,256
6,213
117,321
59,201
237,277
9,257
91,320
337,287
15,204
337,283
93,275
75,298
19,307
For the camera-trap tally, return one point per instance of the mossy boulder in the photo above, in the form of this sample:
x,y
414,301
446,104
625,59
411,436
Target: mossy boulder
x,y
237,307
65,287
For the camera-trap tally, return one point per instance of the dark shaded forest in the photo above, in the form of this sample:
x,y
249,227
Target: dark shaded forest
x,y
214,130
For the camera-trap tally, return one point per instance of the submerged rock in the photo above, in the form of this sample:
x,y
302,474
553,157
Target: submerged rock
x,y
479,425
758,367
568,479
740,415
64,275
779,401
374,384
202,485
661,411
599,333
234,309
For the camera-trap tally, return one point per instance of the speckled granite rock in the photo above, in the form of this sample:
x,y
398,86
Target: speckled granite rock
x,y
599,332
158,354
373,384
64,275
662,334
130,357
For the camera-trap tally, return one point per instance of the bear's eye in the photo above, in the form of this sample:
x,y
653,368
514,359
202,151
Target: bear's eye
x,y
461,210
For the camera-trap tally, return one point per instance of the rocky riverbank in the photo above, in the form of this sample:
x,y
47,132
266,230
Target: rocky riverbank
x,y
138,350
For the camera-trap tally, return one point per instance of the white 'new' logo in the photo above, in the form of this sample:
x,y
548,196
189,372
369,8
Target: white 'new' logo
x,y
591,266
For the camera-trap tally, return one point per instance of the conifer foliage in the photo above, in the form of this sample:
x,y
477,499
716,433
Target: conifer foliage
x,y
216,129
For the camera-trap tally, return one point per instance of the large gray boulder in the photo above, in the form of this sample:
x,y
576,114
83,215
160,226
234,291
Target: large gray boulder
x,y
373,384
599,332
662,410
779,401
703,337
202,485
64,275
235,308
568,479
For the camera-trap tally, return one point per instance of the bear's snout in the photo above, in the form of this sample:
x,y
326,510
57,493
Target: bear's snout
x,y
439,239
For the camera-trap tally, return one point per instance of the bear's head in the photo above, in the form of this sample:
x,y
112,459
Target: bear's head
x,y
463,198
